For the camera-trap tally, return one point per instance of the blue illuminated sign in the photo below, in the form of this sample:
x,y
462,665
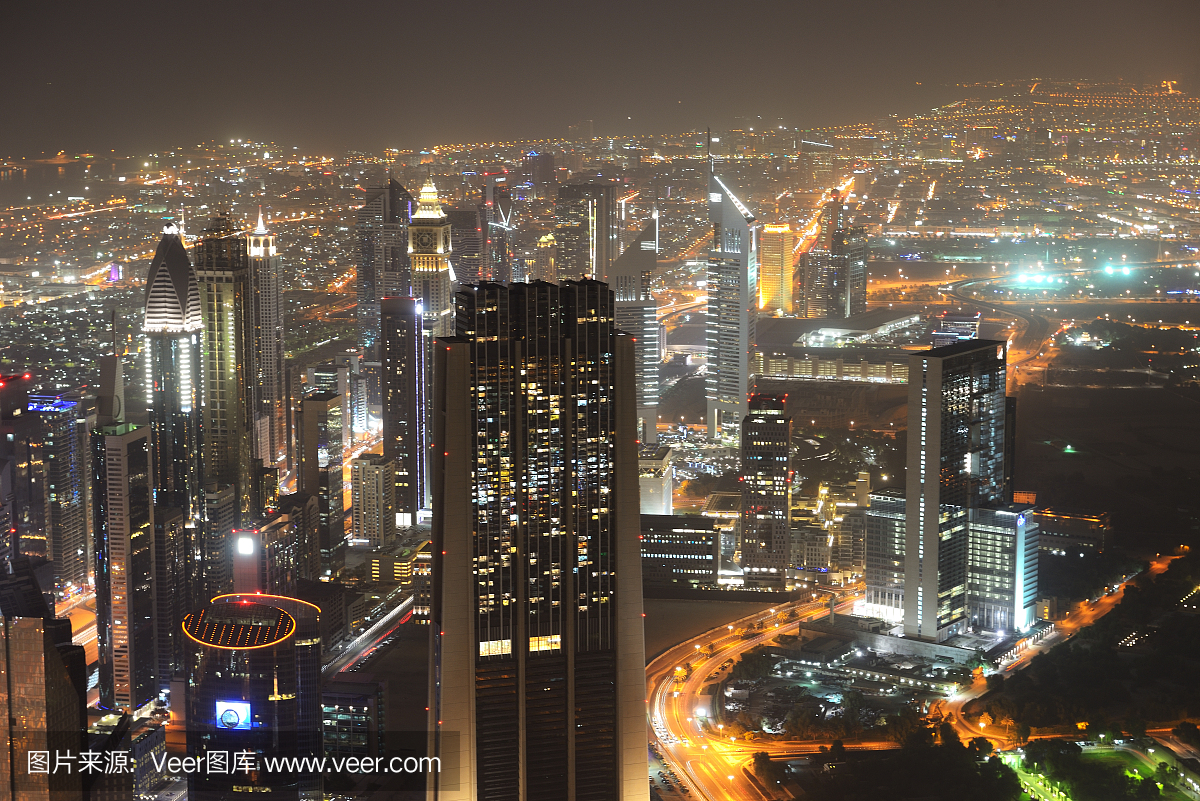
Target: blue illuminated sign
x,y
233,715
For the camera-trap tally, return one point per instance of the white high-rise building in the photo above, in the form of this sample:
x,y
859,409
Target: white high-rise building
x,y
266,322
373,500
732,308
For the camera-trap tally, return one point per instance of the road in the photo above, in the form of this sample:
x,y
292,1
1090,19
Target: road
x,y
712,767
1037,328
1065,629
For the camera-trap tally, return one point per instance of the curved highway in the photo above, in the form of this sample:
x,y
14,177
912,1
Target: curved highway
x,y
1037,329
713,767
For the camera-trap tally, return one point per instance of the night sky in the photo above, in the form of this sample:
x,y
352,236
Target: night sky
x,y
139,76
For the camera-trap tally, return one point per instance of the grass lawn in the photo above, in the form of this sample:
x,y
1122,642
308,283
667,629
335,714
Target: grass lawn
x,y
1130,763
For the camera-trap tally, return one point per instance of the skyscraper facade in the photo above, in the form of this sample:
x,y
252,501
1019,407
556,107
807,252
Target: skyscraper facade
x,y
173,327
537,661
766,447
404,402
466,230
266,323
372,500
59,474
637,315
124,555
850,259
496,213
968,552
321,474
732,308
227,361
585,229
383,266
775,285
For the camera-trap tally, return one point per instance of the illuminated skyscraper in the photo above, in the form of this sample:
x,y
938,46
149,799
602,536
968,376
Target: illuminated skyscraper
x,y
58,470
321,474
732,308
637,315
429,248
545,261
404,402
766,490
850,258
466,228
585,229
775,286
266,318
227,362
970,556
253,685
173,326
538,670
372,498
124,533
383,263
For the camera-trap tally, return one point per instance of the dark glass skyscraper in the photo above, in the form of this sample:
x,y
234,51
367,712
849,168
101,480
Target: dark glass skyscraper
x,y
585,228
404,401
766,490
321,474
383,263
537,659
227,363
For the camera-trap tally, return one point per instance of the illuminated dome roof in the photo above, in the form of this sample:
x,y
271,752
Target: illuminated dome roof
x,y
172,292
239,626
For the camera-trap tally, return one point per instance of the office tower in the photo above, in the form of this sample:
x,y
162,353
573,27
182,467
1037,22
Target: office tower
x,y
383,264
58,472
637,315
655,481
537,657
466,231
336,379
404,402
951,327
221,517
849,256
254,685
305,513
321,474
172,589
123,486
545,267
353,717
266,323
20,467
373,500
884,545
680,551
970,555
581,131
775,285
227,362
833,219
266,557
585,228
732,308
41,705
496,213
173,327
766,489
539,170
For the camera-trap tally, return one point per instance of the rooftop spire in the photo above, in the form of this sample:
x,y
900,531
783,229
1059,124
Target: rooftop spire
x,y
429,207
261,230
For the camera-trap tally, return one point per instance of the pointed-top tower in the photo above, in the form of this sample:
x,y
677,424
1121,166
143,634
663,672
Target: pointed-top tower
x,y
172,292
266,391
